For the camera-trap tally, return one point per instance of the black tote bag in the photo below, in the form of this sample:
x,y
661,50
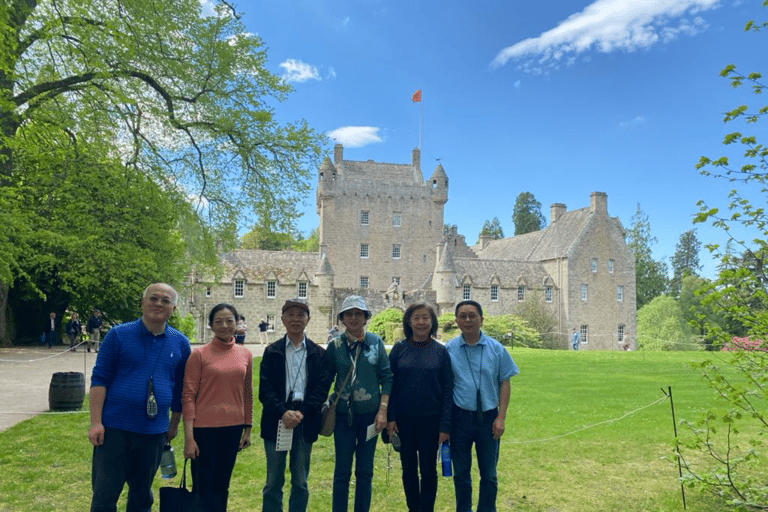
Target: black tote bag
x,y
180,499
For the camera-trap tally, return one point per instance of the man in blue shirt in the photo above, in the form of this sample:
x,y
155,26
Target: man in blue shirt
x,y
138,376
575,339
482,368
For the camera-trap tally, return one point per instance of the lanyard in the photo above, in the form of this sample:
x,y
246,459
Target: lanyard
x,y
298,372
478,398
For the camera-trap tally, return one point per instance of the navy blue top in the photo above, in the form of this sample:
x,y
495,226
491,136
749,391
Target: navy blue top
x,y
423,382
128,356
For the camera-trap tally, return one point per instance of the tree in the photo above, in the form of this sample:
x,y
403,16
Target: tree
x,y
661,326
685,262
526,214
651,275
728,437
491,228
309,244
539,317
184,100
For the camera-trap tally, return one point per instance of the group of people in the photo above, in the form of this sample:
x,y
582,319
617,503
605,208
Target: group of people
x,y
242,329
420,395
74,330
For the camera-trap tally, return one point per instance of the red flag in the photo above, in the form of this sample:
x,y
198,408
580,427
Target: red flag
x,y
416,96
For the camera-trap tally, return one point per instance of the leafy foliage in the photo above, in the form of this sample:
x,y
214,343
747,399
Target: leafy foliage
x,y
730,437
526,214
661,326
388,324
507,329
537,316
185,324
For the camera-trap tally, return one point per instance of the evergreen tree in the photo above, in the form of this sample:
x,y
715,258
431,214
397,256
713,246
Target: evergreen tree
x,y
491,228
526,214
685,262
651,275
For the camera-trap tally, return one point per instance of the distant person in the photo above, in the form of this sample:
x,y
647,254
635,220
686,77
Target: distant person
x,y
293,384
74,330
242,328
263,326
217,404
93,328
363,403
138,376
50,329
482,368
421,404
575,339
626,345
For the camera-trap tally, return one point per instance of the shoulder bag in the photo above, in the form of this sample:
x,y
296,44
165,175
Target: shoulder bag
x,y
328,412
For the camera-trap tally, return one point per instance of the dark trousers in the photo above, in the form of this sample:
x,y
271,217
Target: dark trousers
x,y
212,469
465,432
125,457
348,442
50,338
418,453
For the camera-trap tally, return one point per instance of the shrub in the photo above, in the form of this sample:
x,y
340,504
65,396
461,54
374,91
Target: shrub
x,y
184,324
388,325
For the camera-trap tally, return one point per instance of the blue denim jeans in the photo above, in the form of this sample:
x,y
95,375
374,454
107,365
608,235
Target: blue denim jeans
x,y
464,432
301,453
349,442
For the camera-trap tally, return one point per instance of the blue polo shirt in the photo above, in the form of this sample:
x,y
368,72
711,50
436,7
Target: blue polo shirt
x,y
484,365
128,356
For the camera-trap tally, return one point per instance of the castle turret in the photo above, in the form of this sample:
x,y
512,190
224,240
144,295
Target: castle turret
x,y
444,281
439,183
324,280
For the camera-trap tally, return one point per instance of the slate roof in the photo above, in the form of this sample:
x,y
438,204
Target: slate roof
x,y
552,242
508,272
257,266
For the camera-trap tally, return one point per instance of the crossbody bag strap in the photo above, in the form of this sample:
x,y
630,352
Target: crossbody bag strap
x,y
346,379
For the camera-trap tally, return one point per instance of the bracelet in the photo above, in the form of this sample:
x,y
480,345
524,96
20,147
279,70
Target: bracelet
x,y
384,405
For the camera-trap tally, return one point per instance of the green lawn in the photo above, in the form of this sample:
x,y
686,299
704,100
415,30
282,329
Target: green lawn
x,y
566,447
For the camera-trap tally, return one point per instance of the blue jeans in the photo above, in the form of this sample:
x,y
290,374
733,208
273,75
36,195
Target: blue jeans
x,y
350,441
125,457
301,453
464,432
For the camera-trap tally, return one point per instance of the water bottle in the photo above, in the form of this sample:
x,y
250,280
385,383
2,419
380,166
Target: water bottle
x,y
445,457
168,462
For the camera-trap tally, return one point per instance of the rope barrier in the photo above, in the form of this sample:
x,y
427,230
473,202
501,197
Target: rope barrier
x,y
57,354
586,427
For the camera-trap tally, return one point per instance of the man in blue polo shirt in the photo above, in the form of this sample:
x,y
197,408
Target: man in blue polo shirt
x,y
138,376
482,368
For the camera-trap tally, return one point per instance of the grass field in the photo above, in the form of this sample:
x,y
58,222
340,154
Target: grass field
x,y
583,434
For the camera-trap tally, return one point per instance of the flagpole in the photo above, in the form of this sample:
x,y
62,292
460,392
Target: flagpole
x,y
421,114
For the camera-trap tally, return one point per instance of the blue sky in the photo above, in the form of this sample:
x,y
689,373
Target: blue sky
x,y
557,97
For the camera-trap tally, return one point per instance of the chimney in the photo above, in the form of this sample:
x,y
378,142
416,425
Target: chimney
x,y
598,202
338,154
555,211
416,158
484,241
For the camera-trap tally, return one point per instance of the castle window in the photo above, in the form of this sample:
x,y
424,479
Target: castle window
x,y
548,294
620,293
594,264
584,334
363,250
239,288
396,219
610,266
271,323
521,293
363,281
301,289
494,293
271,289
620,333
364,217
424,258
584,292
396,251
466,292
208,292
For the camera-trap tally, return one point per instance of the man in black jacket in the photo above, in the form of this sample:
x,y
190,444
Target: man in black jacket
x,y
293,384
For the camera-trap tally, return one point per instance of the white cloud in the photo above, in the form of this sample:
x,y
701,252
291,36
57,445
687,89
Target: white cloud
x,y
346,21
636,120
517,84
355,136
607,26
297,71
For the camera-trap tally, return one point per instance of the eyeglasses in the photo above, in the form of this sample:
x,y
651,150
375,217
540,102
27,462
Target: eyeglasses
x,y
160,300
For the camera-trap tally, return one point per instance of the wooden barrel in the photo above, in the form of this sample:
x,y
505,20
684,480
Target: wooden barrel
x,y
67,391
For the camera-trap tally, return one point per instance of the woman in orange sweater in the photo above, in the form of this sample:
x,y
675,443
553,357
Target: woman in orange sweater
x,y
217,405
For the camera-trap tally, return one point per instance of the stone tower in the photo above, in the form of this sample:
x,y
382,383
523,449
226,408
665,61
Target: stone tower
x,y
380,222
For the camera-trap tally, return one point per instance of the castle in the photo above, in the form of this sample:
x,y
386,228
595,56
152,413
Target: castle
x,y
382,236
